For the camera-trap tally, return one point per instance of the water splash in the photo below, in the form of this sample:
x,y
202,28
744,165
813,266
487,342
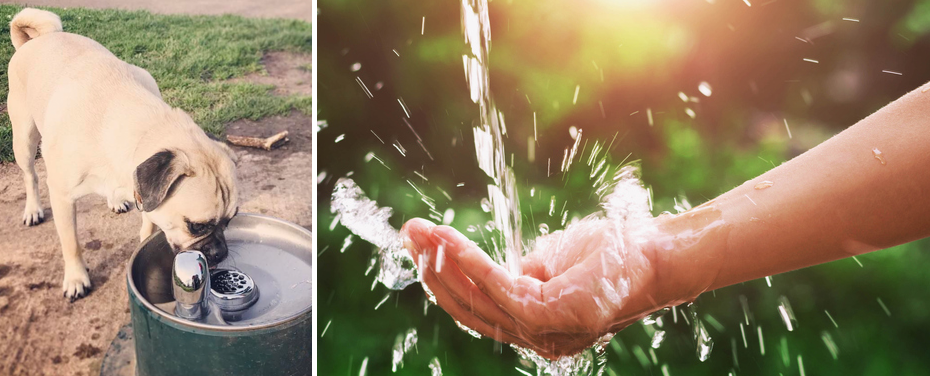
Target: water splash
x,y
657,338
468,330
624,201
434,368
701,338
591,362
543,229
655,317
365,219
364,368
402,344
787,315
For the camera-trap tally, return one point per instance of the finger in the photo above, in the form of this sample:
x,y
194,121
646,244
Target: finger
x,y
460,288
520,297
430,258
416,235
466,317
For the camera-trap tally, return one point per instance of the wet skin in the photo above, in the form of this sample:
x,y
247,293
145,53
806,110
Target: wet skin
x,y
863,190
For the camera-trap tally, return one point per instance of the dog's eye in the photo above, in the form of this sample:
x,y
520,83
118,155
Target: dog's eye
x,y
198,228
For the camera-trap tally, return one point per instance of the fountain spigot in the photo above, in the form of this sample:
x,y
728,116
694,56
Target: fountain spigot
x,y
191,281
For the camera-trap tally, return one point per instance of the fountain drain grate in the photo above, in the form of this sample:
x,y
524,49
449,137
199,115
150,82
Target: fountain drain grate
x,y
232,290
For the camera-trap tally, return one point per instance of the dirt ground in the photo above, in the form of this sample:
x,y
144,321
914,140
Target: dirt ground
x,y
293,9
41,333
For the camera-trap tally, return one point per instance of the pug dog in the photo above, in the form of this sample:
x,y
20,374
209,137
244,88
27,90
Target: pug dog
x,y
106,130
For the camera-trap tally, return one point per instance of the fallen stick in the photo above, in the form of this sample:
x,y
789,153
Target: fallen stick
x,y
267,143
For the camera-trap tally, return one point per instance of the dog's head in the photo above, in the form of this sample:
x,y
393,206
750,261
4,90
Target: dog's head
x,y
191,195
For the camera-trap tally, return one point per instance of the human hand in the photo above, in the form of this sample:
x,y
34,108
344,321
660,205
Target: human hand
x,y
577,285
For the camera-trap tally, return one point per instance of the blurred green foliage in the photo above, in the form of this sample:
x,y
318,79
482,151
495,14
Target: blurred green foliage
x,y
626,58
189,56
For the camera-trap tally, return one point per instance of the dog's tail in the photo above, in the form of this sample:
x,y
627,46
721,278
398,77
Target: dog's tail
x,y
32,23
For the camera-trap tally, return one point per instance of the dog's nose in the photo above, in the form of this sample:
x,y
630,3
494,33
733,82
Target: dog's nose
x,y
215,248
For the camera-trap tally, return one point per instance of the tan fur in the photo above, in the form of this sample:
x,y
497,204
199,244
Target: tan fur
x,y
98,119
32,23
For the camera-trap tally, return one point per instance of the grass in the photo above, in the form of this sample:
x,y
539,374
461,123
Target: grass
x,y
190,57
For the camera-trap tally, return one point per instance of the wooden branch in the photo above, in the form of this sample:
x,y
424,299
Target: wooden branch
x,y
267,143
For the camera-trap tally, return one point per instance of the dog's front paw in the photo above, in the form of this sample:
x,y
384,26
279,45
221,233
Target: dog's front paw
x,y
121,207
33,216
77,282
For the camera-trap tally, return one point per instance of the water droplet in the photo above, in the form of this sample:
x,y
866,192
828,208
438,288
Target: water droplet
x,y
434,368
704,88
573,131
654,317
884,307
364,367
490,226
448,216
785,359
372,263
657,338
544,229
763,185
468,330
878,155
356,67
471,228
761,342
402,344
704,343
486,205
787,315
345,244
831,346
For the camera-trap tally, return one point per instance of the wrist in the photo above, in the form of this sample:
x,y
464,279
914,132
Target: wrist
x,y
690,253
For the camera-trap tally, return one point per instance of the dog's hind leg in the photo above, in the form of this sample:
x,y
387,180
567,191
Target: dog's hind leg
x,y
25,143
76,282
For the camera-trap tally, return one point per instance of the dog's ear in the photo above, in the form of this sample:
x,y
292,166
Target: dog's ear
x,y
155,177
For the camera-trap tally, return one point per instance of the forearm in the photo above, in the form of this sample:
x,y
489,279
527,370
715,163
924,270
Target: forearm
x,y
834,201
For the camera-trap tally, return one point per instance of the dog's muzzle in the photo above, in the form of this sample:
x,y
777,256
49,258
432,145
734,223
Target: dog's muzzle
x,y
213,247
